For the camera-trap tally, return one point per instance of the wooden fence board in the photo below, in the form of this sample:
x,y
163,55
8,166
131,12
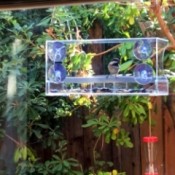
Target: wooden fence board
x,y
137,168
130,160
169,143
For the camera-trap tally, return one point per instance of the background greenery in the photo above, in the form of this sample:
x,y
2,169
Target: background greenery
x,y
39,120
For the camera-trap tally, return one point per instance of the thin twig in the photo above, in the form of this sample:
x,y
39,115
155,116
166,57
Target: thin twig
x,y
107,51
94,148
13,140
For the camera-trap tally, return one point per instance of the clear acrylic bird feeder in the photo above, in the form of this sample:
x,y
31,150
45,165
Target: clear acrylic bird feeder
x,y
144,74
150,149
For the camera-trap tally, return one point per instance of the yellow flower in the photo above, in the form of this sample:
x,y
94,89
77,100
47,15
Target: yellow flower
x,y
150,105
114,172
115,131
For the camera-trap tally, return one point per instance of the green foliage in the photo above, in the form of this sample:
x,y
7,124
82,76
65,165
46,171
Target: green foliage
x,y
101,166
134,109
126,65
105,126
128,60
119,20
82,101
169,61
107,173
112,112
39,119
23,153
78,60
58,164
126,50
36,117
64,110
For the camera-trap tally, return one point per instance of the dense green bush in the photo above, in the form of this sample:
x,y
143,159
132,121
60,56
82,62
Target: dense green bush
x,y
39,120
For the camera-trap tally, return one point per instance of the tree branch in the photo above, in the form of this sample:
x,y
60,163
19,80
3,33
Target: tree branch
x,y
156,9
13,140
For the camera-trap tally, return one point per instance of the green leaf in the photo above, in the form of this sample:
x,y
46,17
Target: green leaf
x,y
44,126
24,152
126,112
66,164
113,136
90,123
17,155
125,66
107,138
141,109
44,22
131,21
37,133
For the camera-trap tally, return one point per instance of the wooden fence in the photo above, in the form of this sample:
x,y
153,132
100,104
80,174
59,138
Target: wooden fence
x,y
132,161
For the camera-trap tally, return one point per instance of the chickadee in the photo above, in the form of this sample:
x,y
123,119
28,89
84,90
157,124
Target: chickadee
x,y
113,66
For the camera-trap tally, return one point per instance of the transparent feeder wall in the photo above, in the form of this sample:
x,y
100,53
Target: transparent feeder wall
x,y
144,77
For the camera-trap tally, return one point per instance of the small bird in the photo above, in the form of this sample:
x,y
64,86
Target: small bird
x,y
113,66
